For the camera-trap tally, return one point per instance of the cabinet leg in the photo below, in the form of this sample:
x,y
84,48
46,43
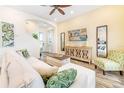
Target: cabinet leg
x,y
95,66
104,72
121,73
90,62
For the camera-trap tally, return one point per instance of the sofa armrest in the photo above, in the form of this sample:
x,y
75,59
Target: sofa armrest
x,y
85,77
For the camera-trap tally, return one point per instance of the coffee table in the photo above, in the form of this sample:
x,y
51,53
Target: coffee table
x,y
55,59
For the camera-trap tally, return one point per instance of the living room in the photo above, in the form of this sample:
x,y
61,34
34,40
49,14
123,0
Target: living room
x,y
63,39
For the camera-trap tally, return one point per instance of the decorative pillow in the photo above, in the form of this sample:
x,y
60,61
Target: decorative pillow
x,y
43,68
62,79
23,52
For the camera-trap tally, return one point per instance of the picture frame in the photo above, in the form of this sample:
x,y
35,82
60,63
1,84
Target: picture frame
x,y
62,41
7,34
78,35
102,41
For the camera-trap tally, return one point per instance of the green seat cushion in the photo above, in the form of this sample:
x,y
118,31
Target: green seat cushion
x,y
23,52
62,79
107,64
100,62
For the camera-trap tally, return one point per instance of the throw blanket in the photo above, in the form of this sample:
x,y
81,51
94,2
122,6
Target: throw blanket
x,y
16,72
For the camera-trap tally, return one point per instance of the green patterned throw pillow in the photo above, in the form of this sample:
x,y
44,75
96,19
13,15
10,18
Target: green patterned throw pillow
x,y
62,79
23,52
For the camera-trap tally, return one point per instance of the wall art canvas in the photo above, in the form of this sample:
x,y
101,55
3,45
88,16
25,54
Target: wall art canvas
x,y
78,35
102,41
7,34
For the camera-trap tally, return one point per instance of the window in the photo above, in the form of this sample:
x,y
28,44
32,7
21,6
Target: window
x,y
41,39
50,36
41,36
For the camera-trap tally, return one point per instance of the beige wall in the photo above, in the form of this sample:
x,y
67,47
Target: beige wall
x,y
113,16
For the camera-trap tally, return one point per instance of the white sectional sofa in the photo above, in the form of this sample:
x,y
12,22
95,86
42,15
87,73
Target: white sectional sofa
x,y
21,73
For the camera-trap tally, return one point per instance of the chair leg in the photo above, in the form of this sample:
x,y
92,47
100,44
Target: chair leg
x,y
121,73
95,66
104,72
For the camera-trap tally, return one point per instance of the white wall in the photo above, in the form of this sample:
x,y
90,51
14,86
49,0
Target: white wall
x,y
22,37
113,16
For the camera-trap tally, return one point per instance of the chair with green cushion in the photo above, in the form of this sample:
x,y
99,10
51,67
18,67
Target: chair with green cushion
x,y
113,62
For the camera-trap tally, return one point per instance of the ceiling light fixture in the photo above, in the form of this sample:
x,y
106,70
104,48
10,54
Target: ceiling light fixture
x,y
55,19
72,12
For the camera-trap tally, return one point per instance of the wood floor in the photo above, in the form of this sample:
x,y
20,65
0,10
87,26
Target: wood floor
x,y
110,80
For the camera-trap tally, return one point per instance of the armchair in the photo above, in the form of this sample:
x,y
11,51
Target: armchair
x,y
113,62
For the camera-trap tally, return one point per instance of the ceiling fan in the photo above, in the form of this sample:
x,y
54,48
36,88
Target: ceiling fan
x,y
59,8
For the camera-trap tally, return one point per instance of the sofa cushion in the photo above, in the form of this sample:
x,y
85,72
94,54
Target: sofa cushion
x,y
41,67
62,79
107,64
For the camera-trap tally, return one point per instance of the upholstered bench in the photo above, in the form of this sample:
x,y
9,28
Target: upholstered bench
x,y
114,62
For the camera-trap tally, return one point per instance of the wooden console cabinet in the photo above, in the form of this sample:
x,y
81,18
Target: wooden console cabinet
x,y
83,53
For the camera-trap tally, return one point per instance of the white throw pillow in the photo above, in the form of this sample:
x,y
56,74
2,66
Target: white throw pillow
x,y
43,68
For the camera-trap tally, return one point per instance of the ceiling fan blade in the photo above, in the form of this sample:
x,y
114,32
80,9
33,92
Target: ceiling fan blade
x,y
43,5
61,11
52,11
63,6
52,5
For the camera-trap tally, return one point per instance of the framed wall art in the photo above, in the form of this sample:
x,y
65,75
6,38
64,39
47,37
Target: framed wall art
x,y
62,41
78,35
102,41
7,31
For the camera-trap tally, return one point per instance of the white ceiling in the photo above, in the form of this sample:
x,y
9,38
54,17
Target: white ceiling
x,y
43,11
